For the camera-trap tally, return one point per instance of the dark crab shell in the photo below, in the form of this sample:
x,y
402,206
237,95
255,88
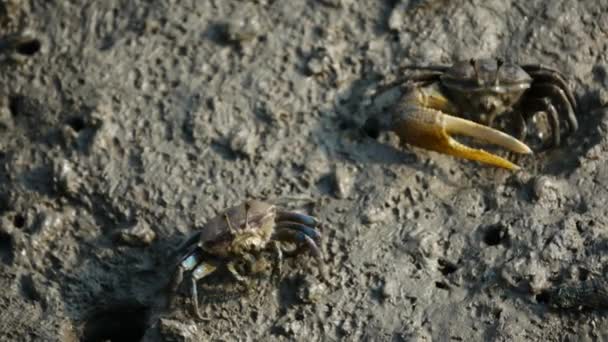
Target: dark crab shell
x,y
486,75
234,231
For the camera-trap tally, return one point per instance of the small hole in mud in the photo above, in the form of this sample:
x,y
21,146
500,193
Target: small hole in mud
x,y
13,105
76,123
497,313
19,221
347,125
446,267
442,285
372,128
29,47
543,297
118,322
28,289
583,274
6,248
496,234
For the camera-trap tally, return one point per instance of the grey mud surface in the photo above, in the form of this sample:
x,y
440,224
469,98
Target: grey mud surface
x,y
135,121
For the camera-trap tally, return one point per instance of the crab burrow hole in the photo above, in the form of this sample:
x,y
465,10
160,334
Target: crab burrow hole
x,y
19,221
495,235
447,267
121,321
543,297
76,123
6,248
28,47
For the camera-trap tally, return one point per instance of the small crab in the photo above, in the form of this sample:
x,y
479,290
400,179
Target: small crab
x,y
238,234
480,90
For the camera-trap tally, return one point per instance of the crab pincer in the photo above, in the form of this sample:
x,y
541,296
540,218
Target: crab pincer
x,y
466,98
418,120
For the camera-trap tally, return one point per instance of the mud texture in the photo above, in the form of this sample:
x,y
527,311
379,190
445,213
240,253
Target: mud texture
x,y
125,124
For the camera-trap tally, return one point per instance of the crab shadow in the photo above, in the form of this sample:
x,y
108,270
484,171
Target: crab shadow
x,y
117,287
112,294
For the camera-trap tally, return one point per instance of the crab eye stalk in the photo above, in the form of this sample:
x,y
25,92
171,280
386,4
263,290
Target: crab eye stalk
x,y
473,63
499,63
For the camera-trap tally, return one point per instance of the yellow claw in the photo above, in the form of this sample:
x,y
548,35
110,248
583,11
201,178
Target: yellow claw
x,y
422,118
430,129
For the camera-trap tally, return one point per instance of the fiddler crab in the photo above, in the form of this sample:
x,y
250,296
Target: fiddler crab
x,y
237,235
467,98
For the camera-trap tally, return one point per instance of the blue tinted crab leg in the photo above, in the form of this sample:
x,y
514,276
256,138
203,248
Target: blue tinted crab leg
x,y
420,119
298,221
310,232
296,217
201,271
192,258
190,241
300,237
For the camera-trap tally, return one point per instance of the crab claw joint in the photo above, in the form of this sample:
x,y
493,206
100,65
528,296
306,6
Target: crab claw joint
x,y
431,129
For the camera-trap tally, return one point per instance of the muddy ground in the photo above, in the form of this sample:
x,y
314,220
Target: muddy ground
x,y
126,124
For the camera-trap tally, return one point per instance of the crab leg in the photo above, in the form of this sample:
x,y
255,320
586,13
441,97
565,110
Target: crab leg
x,y
296,217
544,74
551,89
188,263
299,237
310,232
420,119
190,242
201,271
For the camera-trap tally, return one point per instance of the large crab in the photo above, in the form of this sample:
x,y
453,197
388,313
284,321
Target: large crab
x,y
467,97
238,234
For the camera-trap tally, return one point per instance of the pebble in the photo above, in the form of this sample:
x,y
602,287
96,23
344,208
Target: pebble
x,y
137,236
311,291
343,181
545,189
